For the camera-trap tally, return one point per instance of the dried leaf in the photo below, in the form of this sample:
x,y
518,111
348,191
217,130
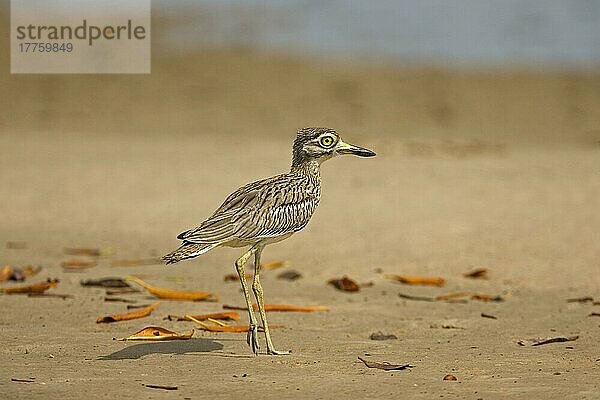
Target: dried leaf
x,y
417,280
274,264
134,306
418,298
345,284
83,252
280,307
35,288
477,273
382,336
141,313
165,387
172,294
385,365
594,314
449,378
135,262
586,299
6,272
546,340
236,277
106,283
289,275
77,264
23,380
225,316
155,333
453,295
222,328
18,274
486,297
484,315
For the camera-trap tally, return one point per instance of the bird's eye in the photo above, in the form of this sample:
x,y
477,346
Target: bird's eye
x,y
326,141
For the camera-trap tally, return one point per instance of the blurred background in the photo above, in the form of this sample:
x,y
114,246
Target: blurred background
x,y
485,116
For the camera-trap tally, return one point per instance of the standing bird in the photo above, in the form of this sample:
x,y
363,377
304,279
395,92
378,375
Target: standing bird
x,y
265,212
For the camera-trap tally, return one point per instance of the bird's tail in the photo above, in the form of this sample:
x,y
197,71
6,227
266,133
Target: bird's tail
x,y
187,250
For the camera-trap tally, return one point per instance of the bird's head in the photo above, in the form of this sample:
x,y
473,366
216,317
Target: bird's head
x,y
320,144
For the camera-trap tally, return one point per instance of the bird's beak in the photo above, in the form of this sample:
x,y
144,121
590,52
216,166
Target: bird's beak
x,y
346,148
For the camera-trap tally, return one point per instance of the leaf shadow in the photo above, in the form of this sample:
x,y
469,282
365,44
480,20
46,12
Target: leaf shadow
x,y
179,347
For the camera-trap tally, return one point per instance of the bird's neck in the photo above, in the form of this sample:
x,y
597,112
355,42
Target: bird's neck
x,y
307,168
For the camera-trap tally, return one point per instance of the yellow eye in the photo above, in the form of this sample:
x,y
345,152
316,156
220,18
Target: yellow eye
x,y
326,141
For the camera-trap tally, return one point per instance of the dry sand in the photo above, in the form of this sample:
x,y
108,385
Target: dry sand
x,y
489,169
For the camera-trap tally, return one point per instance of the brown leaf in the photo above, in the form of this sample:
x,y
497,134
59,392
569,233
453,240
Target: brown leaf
x,y
225,316
77,264
477,273
172,294
486,297
274,264
345,284
280,307
236,277
35,288
289,275
418,298
417,280
165,387
382,336
586,299
106,283
471,295
449,378
385,365
546,340
453,295
83,252
490,316
594,314
6,272
225,328
135,262
141,313
155,333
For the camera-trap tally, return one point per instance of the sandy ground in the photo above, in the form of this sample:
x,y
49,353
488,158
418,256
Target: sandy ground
x,y
527,215
495,169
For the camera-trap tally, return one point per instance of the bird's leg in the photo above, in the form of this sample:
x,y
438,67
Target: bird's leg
x,y
258,293
252,337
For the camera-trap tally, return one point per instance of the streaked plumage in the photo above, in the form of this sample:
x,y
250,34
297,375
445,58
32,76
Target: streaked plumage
x,y
268,211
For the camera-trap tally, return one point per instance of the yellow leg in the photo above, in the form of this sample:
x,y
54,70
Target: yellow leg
x,y
258,293
252,337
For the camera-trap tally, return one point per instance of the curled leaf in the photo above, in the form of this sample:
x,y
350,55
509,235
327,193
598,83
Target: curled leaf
x,y
546,340
172,294
449,378
477,273
280,307
385,365
35,288
141,313
223,328
156,333
416,280
345,284
225,316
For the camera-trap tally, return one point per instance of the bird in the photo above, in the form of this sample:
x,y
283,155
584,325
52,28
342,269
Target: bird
x,y
266,212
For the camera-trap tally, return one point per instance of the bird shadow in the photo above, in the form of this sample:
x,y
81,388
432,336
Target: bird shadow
x,y
190,346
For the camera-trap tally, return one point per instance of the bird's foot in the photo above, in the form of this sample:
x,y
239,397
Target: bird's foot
x,y
252,338
273,352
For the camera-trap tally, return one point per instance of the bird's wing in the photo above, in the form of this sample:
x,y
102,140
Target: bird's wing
x,y
261,209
